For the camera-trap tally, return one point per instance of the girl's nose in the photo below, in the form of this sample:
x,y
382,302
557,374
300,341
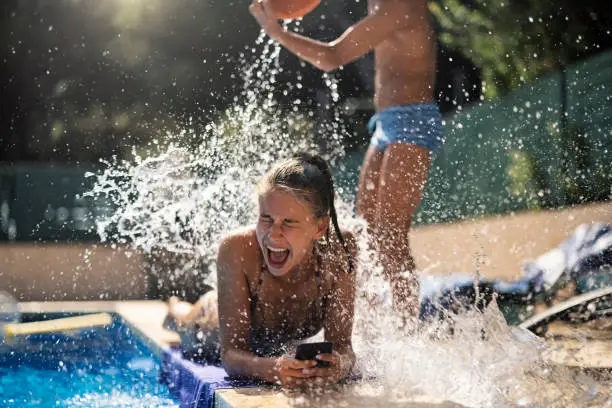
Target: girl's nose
x,y
276,230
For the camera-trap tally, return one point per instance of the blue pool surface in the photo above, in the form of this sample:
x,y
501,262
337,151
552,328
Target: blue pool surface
x,y
95,367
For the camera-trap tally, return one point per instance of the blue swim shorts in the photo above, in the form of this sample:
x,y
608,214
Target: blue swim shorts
x,y
418,124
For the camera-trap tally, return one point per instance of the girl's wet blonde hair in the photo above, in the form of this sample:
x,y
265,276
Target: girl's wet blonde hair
x,y
309,178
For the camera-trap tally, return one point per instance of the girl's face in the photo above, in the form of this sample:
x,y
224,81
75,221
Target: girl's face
x,y
286,230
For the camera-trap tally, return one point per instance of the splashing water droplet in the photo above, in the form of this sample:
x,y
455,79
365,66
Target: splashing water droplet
x,y
201,187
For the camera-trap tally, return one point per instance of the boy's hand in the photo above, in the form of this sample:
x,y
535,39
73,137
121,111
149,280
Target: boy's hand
x,y
265,16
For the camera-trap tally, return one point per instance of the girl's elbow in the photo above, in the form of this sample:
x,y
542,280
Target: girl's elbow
x,y
231,370
226,362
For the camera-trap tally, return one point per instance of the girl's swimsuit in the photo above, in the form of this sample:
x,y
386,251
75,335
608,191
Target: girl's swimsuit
x,y
274,342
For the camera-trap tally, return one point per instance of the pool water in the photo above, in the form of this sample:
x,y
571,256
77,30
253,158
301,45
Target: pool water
x,y
95,367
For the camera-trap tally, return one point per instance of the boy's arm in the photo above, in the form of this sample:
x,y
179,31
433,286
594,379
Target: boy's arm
x,y
356,41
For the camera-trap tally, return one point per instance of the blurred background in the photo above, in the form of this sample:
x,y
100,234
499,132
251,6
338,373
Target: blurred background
x,y
524,87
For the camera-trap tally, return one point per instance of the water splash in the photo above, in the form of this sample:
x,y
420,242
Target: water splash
x,y
200,187
117,399
474,359
470,357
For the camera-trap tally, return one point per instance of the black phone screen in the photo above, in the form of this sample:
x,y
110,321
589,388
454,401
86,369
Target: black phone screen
x,y
308,351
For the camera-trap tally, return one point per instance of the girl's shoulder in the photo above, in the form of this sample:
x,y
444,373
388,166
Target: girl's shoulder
x,y
244,236
240,243
240,248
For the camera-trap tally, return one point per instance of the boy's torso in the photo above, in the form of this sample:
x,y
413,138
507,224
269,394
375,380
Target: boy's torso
x,y
405,62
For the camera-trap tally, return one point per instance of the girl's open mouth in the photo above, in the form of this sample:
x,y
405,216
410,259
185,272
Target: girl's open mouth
x,y
277,256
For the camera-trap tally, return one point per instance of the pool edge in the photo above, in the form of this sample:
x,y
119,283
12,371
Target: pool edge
x,y
143,317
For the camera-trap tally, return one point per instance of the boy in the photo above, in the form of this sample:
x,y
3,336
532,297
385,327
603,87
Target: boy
x,y
406,128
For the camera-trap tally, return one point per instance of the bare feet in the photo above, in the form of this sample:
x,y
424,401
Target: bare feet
x,y
203,313
209,311
181,312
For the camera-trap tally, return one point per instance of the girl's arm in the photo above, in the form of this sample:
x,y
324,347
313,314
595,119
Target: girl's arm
x,y
235,319
235,313
339,320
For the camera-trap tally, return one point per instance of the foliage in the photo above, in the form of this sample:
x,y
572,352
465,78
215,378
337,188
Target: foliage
x,y
513,42
579,178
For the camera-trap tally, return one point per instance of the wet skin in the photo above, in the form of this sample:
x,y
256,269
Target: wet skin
x,y
391,182
286,294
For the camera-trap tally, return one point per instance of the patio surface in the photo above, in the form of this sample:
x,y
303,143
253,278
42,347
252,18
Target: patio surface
x,y
570,347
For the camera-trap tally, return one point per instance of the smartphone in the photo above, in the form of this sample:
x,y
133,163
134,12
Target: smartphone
x,y
309,351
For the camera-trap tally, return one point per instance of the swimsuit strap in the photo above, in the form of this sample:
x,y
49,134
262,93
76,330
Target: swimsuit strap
x,y
255,294
262,270
321,297
318,279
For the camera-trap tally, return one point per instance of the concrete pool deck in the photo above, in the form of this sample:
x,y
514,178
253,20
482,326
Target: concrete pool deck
x,y
348,397
39,272
497,245
569,347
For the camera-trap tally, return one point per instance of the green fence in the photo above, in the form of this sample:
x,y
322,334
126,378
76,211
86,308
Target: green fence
x,y
548,144
42,203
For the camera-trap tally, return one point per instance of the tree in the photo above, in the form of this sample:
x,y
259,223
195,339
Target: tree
x,y
513,42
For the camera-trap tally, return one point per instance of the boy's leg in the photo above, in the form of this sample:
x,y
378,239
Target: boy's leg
x,y
367,190
367,202
403,174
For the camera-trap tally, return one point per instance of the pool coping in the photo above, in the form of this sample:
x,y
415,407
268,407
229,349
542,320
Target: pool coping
x,y
144,317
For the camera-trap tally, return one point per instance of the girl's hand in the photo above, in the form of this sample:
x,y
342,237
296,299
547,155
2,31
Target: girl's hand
x,y
339,367
265,16
291,372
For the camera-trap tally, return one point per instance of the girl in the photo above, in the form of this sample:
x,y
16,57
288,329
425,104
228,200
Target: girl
x,y
287,278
